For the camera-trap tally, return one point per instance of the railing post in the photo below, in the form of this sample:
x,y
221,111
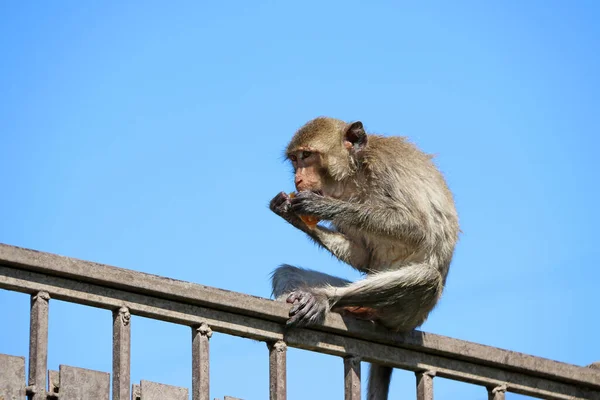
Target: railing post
x,y
38,346
351,378
496,393
425,385
201,362
277,370
121,353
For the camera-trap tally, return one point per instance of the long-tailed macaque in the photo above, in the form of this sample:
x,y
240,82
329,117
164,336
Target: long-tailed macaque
x,y
392,216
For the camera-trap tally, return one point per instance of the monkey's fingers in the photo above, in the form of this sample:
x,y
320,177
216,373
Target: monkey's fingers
x,y
299,316
307,300
306,316
300,209
306,203
292,321
314,310
293,297
279,200
283,197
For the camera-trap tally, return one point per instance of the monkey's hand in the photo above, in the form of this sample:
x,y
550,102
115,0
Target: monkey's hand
x,y
313,204
309,308
281,206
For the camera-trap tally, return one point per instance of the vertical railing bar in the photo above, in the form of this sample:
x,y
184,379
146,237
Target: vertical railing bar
x,y
351,378
277,370
201,362
425,385
497,393
121,353
38,346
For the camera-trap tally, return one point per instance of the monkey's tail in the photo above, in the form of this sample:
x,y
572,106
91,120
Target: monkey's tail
x,y
379,382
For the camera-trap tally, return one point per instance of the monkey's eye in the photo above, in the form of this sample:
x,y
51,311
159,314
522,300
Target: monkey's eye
x,y
306,154
293,158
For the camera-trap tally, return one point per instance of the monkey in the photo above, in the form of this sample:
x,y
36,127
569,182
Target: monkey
x,y
391,216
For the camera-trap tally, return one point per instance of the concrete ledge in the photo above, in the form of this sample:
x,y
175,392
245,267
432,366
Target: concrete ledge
x,y
268,310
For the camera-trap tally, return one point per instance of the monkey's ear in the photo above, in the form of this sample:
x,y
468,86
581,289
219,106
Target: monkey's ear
x,y
355,136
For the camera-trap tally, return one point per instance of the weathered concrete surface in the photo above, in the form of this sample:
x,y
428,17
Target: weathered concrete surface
x,y
121,353
314,340
497,393
277,370
261,319
425,385
351,378
218,299
201,362
83,384
228,398
158,391
12,377
136,392
53,382
38,343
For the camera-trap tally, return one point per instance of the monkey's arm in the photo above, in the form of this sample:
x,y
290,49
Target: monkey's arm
x,y
410,292
336,243
391,220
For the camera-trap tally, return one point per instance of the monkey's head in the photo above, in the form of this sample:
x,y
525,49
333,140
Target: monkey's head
x,y
325,152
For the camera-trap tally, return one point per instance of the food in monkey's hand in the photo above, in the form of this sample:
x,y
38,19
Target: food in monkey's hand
x,y
309,220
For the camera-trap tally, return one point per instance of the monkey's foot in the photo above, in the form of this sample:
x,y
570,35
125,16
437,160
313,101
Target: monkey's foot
x,y
367,313
308,308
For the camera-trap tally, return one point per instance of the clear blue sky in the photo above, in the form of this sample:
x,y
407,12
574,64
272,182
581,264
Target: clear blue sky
x,y
149,136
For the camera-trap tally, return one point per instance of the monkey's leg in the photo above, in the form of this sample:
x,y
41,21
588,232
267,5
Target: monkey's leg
x,y
414,283
368,313
296,286
403,297
286,279
379,382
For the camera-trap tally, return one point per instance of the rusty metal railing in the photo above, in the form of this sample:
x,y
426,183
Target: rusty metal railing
x,y
205,309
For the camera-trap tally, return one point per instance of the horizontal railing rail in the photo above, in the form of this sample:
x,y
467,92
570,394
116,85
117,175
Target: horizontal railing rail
x,y
205,309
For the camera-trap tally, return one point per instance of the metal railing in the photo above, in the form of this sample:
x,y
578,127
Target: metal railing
x,y
205,309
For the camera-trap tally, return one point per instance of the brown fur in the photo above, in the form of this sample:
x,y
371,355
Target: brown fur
x,y
394,219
